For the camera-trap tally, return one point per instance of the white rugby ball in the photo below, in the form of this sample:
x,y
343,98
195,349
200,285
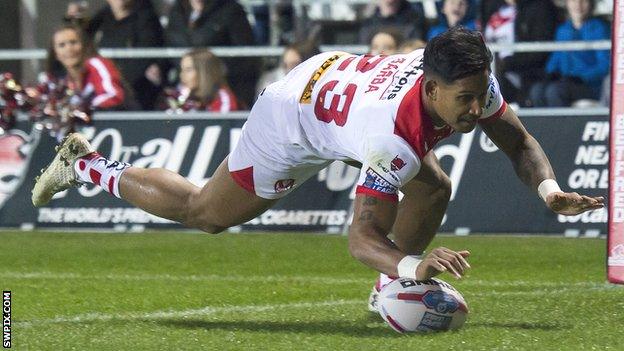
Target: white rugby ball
x,y
408,305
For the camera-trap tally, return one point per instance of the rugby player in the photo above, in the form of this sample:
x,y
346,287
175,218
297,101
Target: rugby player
x,y
382,113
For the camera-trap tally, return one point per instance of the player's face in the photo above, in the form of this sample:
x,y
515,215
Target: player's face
x,y
67,48
188,73
461,103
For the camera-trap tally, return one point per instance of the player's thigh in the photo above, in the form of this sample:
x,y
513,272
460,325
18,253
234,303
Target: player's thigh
x,y
223,203
431,178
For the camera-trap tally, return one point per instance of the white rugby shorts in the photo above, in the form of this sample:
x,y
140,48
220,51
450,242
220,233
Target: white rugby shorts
x,y
272,157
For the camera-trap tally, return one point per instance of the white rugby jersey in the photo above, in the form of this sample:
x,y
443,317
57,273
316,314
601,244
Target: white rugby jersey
x,y
368,109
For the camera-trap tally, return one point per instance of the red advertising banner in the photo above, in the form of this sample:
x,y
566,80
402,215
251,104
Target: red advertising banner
x,y
615,242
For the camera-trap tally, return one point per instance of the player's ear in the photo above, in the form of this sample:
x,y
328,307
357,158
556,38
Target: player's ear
x,y
431,89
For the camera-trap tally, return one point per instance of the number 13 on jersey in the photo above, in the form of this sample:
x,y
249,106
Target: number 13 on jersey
x,y
334,105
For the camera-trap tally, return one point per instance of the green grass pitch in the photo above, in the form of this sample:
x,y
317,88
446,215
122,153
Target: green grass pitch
x,y
176,291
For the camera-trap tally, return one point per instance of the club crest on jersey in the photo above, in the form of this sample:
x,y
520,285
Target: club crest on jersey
x,y
376,182
397,163
283,185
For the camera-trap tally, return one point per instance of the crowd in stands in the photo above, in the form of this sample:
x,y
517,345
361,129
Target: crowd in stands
x,y
201,81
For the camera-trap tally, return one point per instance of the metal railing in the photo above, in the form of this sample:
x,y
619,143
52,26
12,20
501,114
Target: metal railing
x,y
160,115
274,51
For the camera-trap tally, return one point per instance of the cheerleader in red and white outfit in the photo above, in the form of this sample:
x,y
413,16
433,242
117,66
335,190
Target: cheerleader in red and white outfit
x,y
91,78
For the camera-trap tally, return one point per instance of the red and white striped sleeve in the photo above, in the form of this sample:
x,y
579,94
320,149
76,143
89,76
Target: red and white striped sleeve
x,y
224,101
105,80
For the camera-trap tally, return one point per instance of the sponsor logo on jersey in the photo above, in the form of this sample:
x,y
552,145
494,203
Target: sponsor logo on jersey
x,y
306,97
375,181
387,171
397,163
491,94
405,77
283,185
388,71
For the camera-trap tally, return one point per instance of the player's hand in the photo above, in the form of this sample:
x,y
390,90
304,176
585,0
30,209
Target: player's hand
x,y
441,260
571,204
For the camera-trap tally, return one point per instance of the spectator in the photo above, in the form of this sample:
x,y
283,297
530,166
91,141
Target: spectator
x,y
575,75
486,9
386,41
76,82
293,55
398,14
453,14
202,87
202,23
92,78
131,24
521,21
411,45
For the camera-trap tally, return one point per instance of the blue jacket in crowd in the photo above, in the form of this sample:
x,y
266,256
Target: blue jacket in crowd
x,y
443,27
590,65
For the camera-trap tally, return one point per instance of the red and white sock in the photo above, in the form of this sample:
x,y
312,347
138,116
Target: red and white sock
x,y
96,169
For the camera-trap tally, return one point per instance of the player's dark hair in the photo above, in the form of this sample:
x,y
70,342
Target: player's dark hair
x,y
456,54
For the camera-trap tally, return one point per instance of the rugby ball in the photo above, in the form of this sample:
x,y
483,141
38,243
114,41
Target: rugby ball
x,y
408,305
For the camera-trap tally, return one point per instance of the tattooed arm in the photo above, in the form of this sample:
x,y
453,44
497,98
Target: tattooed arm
x,y
532,165
368,242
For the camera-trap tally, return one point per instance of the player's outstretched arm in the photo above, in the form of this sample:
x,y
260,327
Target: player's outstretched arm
x,y
532,166
368,242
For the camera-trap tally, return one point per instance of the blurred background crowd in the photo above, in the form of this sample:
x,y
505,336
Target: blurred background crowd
x,y
74,72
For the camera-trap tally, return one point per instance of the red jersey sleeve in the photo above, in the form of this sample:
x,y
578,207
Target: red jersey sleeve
x,y
105,81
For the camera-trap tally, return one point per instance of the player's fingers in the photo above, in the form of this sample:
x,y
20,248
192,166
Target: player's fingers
x,y
450,268
453,258
460,258
438,266
463,261
432,268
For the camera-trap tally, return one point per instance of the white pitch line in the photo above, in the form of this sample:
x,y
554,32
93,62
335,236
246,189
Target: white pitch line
x,y
466,282
156,315
540,292
192,278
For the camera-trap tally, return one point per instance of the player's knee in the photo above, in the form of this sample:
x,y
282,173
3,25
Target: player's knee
x,y
199,215
206,226
213,229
